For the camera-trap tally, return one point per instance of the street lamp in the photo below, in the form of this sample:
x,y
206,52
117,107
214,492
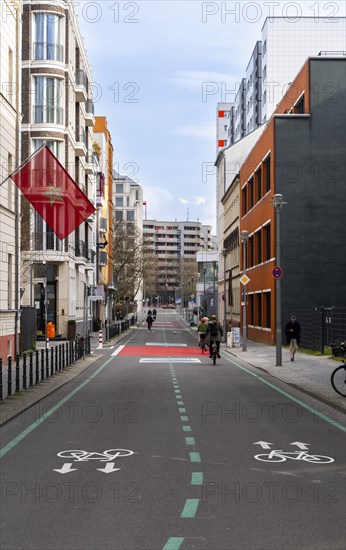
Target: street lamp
x,y
277,203
204,298
214,294
244,238
224,254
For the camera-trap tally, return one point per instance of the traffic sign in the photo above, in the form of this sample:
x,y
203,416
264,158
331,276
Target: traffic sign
x,y
277,272
244,280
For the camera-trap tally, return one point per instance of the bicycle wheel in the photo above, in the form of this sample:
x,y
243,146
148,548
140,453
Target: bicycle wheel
x,y
318,459
272,459
338,380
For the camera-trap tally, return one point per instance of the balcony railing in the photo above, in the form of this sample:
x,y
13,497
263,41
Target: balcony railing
x,y
80,249
81,78
46,241
89,106
48,51
48,114
81,135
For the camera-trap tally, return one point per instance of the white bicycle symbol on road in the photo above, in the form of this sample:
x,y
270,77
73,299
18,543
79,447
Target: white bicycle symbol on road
x,y
282,456
106,456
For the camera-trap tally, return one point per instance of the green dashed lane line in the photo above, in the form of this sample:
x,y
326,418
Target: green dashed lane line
x,y
197,478
190,508
182,410
51,411
180,403
173,543
289,396
177,391
184,418
190,441
187,428
195,457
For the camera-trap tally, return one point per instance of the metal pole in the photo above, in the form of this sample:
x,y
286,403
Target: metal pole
x,y
244,236
46,309
214,296
278,332
204,298
224,253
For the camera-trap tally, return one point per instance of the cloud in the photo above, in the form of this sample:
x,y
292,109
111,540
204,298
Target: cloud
x,y
183,201
194,80
199,131
200,200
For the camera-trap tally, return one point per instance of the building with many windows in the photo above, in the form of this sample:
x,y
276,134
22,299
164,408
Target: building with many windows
x,y
58,110
10,118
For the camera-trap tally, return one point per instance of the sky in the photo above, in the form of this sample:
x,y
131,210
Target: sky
x,y
153,63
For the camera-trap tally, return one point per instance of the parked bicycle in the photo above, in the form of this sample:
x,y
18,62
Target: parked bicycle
x,y
338,378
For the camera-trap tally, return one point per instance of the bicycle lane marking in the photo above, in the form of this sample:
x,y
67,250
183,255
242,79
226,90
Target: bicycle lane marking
x,y
51,411
288,395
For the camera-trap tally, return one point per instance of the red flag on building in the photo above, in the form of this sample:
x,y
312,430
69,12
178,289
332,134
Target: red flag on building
x,y
53,193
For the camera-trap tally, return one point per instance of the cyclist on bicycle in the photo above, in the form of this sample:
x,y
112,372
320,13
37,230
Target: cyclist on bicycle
x,y
214,334
202,330
149,320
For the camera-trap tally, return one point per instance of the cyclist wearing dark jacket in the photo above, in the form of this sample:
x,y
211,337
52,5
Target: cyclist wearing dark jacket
x,y
214,333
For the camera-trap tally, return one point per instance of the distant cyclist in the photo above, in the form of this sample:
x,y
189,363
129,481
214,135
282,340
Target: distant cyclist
x,y
149,320
214,334
154,314
202,330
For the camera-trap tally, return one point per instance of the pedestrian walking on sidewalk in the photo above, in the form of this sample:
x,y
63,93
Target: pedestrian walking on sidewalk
x,y
292,332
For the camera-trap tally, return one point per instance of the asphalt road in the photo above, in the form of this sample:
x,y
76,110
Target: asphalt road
x,y
155,448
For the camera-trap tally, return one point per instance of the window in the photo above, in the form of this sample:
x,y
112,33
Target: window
x,y
130,215
119,201
54,146
259,309
266,242
258,236
119,188
299,107
267,174
251,309
47,100
250,252
258,177
127,201
47,37
244,200
251,193
10,88
266,304
9,186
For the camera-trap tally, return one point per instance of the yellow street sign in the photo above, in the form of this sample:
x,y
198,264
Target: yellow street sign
x,y
244,280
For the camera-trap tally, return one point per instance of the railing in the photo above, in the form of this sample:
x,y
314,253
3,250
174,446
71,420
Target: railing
x,y
89,106
28,371
81,78
48,114
80,249
47,241
81,135
48,51
322,326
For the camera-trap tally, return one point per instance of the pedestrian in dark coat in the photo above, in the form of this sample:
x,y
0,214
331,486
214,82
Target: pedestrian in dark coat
x,y
292,332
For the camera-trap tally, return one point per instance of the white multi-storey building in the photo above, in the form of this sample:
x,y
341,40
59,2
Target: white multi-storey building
x,y
57,109
10,37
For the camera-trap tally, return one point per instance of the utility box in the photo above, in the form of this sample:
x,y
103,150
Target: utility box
x,y
28,328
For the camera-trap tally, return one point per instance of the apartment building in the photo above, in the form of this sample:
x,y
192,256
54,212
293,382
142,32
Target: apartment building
x,y
103,149
57,109
10,119
128,221
174,246
300,155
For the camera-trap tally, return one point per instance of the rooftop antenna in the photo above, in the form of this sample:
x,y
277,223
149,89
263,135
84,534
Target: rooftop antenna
x,y
187,214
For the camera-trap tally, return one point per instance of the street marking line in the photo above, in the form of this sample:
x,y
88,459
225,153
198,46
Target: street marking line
x,y
190,441
173,543
162,344
190,508
197,478
49,413
118,350
187,428
289,396
182,410
180,403
169,360
184,418
177,391
195,457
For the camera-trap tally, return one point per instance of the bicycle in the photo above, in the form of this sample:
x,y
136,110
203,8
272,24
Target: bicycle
x,y
214,353
282,456
338,377
202,343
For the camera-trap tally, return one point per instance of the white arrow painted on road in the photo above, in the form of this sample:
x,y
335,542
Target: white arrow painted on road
x,y
66,469
109,468
264,444
301,445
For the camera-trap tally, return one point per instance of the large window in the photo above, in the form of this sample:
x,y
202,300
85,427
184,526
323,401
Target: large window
x,y
54,146
266,304
119,188
47,100
130,215
119,202
267,174
259,309
266,242
47,37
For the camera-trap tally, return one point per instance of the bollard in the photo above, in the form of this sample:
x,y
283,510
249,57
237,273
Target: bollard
x,y
70,352
59,353
63,355
66,353
31,369
9,375
51,361
37,359
47,362
24,371
42,364
100,346
17,372
56,358
0,378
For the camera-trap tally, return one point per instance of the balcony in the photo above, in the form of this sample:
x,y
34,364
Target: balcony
x,y
90,260
81,148
89,113
90,165
103,225
47,114
48,51
81,89
47,242
80,252
102,258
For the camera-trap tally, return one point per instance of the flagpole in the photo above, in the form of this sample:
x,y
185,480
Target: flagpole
x,y
23,163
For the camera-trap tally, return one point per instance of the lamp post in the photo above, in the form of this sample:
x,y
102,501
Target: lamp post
x,y
278,202
224,254
244,238
214,293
